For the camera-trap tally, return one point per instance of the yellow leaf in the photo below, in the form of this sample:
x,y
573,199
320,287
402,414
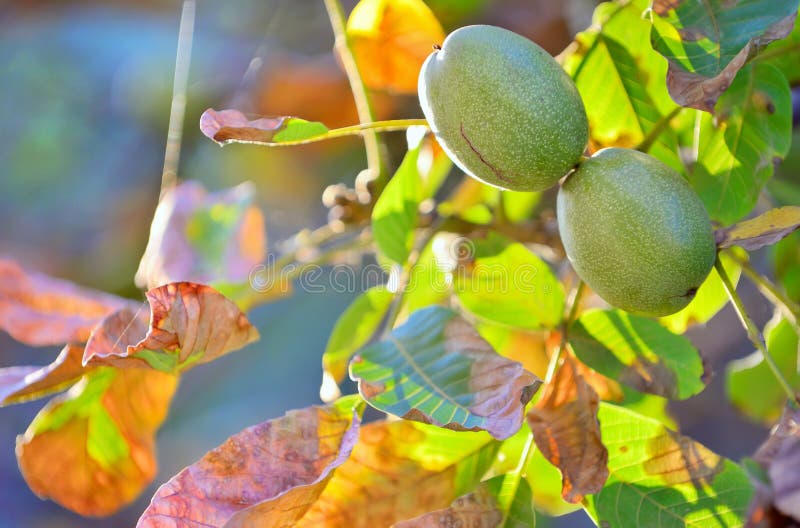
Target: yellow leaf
x,y
762,230
390,40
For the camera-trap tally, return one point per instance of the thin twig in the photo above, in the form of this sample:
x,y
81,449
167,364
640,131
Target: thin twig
x,y
183,58
753,333
767,288
657,130
374,148
552,366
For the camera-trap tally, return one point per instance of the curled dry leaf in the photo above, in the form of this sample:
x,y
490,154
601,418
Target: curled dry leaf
x,y
39,310
190,324
92,450
267,475
478,509
232,126
399,470
763,230
391,40
203,237
779,455
437,369
567,432
21,384
707,43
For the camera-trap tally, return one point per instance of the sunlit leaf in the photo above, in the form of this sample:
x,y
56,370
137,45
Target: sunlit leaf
x,y
531,349
437,369
518,206
478,509
40,310
429,281
750,383
639,352
354,329
514,499
399,470
779,456
707,43
660,478
266,475
504,282
232,126
739,146
565,428
763,230
390,40
209,238
786,258
395,214
190,324
21,384
649,405
92,450
711,297
622,80
471,201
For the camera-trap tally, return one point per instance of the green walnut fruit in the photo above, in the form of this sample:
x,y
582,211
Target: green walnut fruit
x,y
635,232
503,109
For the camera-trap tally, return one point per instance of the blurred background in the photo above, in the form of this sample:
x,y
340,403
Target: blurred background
x,y
85,89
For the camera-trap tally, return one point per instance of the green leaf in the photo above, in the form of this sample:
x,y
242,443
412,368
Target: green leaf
x,y
614,68
786,258
518,206
650,405
506,283
395,214
785,55
542,477
514,498
639,352
710,298
437,369
660,478
750,384
707,43
428,281
354,328
739,146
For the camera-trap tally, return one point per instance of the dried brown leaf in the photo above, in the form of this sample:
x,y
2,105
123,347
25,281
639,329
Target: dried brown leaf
x,y
267,475
39,310
21,384
780,457
567,432
203,237
92,450
190,324
763,230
